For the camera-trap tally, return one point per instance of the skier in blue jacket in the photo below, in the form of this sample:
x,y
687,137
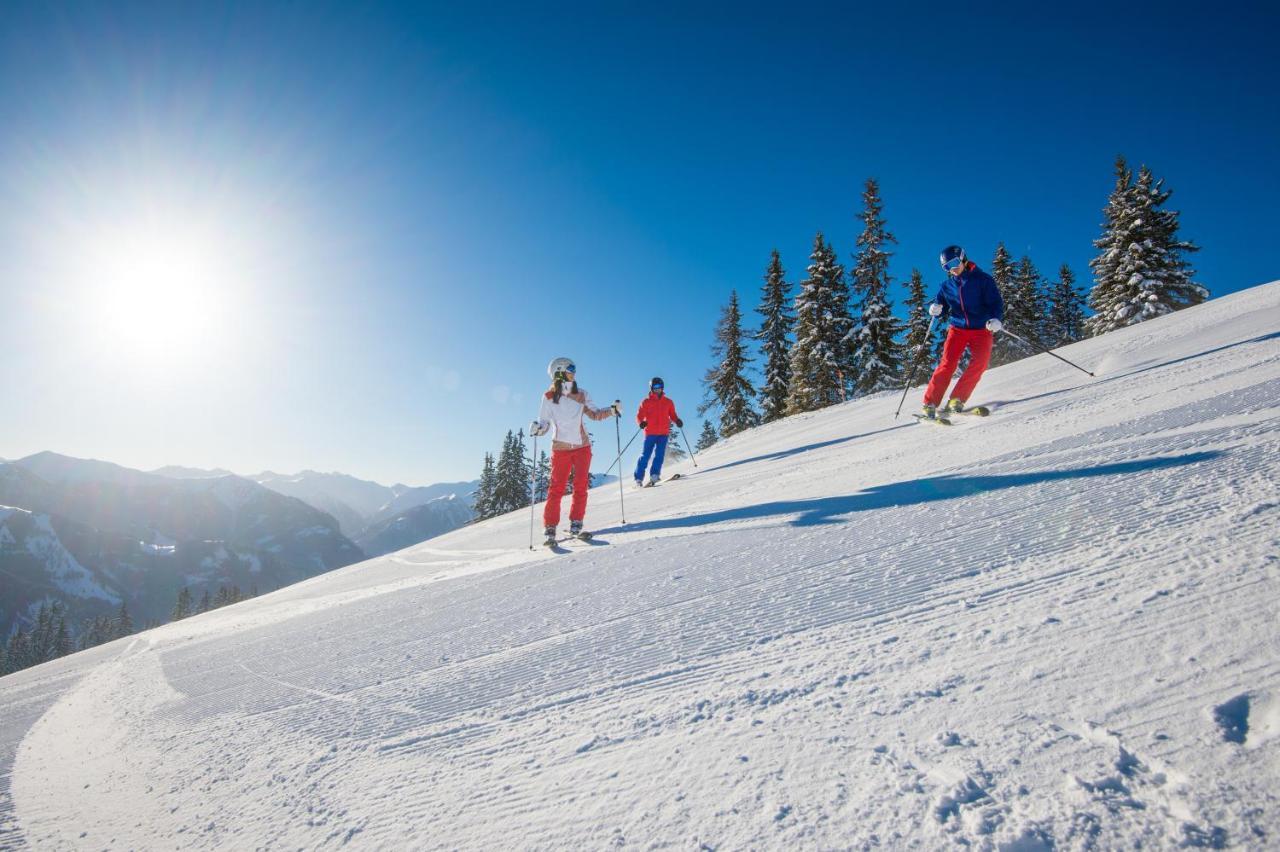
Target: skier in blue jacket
x,y
973,303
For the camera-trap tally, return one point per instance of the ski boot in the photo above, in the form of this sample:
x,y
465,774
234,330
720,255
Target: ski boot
x,y
654,480
549,535
639,483
576,531
931,414
956,406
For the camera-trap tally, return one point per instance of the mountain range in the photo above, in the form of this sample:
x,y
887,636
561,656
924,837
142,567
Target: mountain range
x,y
93,535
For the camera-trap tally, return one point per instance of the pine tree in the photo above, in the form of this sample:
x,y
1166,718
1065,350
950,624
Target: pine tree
x,y
62,638
1024,306
182,607
483,498
523,472
1006,349
1065,321
917,325
123,623
4,658
877,356
205,603
18,651
41,638
708,436
1117,223
1140,271
222,598
502,491
511,482
675,452
775,341
727,387
820,354
101,630
542,479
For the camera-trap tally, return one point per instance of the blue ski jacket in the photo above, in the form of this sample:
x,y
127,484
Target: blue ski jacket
x,y
971,298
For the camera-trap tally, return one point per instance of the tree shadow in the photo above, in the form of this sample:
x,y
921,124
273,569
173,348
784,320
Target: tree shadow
x,y
795,451
827,510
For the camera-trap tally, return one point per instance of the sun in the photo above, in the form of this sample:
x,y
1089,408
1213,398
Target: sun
x,y
155,291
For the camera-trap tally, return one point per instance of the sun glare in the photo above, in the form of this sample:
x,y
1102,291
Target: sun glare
x,y
155,291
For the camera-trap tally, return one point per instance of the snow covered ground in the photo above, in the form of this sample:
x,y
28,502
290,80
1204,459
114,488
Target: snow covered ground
x,y
1055,628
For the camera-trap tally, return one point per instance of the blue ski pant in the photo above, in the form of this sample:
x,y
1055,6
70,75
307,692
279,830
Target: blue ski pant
x,y
656,446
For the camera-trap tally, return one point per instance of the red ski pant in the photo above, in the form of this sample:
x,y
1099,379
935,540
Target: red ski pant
x,y
562,463
978,342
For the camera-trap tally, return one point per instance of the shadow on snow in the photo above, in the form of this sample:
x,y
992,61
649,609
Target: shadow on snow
x,y
1101,380
827,510
795,451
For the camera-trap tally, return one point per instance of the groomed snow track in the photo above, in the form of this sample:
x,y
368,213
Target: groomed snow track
x,y
1051,628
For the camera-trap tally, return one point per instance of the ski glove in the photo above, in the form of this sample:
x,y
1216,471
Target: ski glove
x,y
644,423
994,325
679,423
935,310
538,428
616,409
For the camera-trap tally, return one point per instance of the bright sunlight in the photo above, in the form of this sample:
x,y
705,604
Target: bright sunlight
x,y
156,292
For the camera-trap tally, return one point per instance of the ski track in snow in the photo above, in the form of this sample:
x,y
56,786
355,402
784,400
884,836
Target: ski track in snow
x,y
1054,627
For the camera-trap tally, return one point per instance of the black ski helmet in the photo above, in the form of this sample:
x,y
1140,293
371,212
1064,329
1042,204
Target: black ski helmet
x,y
950,254
656,383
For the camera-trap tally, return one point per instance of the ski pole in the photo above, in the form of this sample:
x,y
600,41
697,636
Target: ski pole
x,y
692,458
624,449
915,363
1046,351
533,490
617,434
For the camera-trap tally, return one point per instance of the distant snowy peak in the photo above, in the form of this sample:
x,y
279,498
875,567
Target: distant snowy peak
x,y
92,543
359,505
58,469
362,496
174,471
405,498
30,538
415,525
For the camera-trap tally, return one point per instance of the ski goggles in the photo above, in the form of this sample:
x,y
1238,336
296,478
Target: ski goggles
x,y
657,386
954,264
570,368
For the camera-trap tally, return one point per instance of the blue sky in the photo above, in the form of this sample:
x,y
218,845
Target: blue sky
x,y
396,216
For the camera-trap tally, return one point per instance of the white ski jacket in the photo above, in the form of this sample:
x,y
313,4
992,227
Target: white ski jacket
x,y
564,418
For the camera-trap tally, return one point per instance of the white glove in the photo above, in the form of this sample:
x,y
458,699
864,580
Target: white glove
x,y
994,325
538,428
935,310
616,408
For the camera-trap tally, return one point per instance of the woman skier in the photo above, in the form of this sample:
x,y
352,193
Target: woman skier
x,y
976,310
656,414
563,407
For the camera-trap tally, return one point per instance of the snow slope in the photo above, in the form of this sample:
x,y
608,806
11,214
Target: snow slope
x,y
1051,628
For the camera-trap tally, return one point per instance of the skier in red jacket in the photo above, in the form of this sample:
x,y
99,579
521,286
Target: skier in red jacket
x,y
657,413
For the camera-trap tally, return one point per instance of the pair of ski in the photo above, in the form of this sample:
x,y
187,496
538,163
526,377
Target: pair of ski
x,y
652,484
584,537
943,418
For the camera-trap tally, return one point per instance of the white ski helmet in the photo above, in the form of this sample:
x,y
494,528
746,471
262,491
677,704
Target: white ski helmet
x,y
560,365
